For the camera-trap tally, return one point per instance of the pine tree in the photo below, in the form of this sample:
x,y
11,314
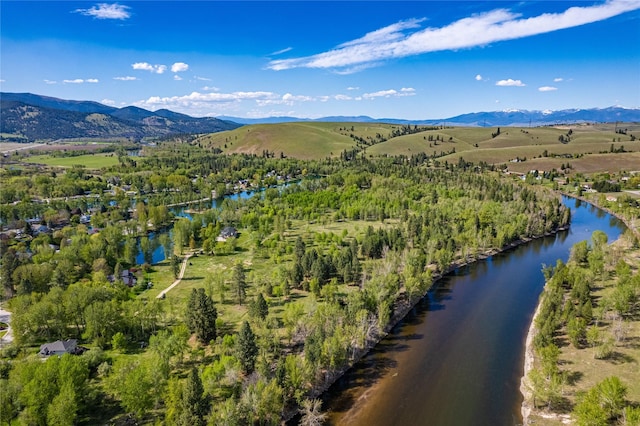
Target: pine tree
x,y
201,316
194,404
239,283
246,348
259,307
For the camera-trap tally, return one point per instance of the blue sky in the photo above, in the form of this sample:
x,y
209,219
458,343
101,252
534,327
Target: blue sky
x,y
413,60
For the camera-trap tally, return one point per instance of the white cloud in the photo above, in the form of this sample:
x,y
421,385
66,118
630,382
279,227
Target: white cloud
x,y
108,102
298,98
179,67
280,52
211,88
77,81
405,91
176,77
201,103
353,88
342,98
145,66
558,79
201,78
547,88
125,78
50,81
478,77
107,11
510,82
403,39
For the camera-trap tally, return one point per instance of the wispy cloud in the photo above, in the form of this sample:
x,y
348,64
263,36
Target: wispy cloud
x,y
177,77
404,39
201,78
145,66
547,89
179,67
510,82
558,79
353,88
280,52
80,81
390,93
108,102
125,78
203,104
107,11
50,81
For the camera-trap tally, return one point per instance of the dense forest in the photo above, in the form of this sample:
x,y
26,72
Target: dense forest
x,y
329,254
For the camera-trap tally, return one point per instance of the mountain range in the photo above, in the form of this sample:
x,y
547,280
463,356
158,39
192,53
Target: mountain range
x,y
27,116
521,118
34,117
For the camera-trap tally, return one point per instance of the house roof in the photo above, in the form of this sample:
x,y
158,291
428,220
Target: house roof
x,y
228,231
59,346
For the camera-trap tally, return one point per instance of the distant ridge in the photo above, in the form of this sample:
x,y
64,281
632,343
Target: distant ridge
x,y
34,117
479,119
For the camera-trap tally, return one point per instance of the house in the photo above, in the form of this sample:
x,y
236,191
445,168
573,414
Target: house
x,y
61,347
226,233
127,277
38,229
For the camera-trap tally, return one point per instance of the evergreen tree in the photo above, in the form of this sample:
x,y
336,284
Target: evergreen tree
x,y
247,350
259,308
201,316
239,283
194,404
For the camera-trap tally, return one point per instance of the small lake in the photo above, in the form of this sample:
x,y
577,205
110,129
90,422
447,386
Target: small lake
x,y
457,358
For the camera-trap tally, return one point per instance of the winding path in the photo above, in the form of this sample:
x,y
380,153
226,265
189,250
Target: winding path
x,y
5,316
177,281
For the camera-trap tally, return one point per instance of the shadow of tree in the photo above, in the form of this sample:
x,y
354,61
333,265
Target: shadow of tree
x,y
620,358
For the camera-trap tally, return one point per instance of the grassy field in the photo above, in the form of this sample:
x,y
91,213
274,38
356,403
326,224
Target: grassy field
x,y
299,140
90,161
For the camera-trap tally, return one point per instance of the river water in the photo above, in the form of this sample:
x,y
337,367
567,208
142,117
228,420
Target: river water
x,y
457,358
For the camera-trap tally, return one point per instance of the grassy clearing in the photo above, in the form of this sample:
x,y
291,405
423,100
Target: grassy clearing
x,y
261,267
90,161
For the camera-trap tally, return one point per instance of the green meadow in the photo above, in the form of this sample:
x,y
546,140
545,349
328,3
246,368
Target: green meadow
x,y
90,161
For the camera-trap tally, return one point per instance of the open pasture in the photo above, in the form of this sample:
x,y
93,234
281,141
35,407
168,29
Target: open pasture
x,y
90,161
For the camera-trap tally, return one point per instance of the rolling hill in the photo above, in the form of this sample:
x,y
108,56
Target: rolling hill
x,y
540,146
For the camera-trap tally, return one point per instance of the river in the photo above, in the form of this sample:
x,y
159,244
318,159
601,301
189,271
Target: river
x,y
457,358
